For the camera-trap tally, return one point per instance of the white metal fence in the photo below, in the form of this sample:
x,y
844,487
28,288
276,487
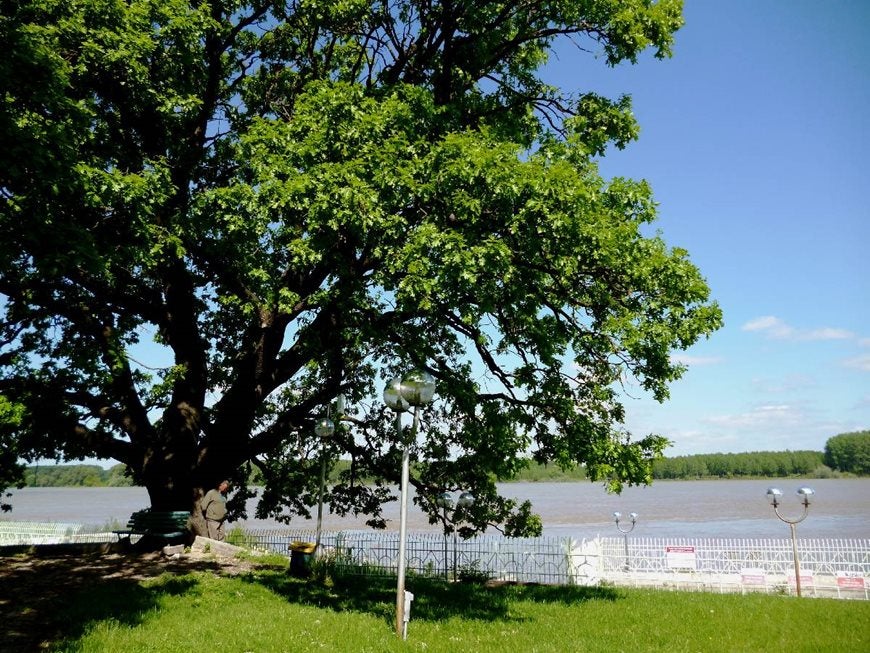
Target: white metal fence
x,y
829,567
32,532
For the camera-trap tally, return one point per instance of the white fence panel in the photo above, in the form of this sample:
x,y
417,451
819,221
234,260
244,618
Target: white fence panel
x,y
828,567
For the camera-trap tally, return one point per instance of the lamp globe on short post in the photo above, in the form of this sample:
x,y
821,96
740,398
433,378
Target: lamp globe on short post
x,y
445,502
625,531
415,389
774,496
466,500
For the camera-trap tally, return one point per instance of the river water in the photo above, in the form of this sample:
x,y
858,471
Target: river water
x,y
670,509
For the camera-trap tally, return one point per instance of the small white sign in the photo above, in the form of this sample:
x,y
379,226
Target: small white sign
x,y
752,576
680,557
806,579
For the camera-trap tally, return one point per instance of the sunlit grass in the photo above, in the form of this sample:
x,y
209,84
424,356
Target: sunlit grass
x,y
268,611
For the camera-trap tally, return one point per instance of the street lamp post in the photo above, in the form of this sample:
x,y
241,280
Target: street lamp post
x,y
774,496
445,501
324,430
416,389
625,531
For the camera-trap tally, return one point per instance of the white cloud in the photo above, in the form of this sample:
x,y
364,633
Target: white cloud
x,y
826,333
772,326
759,417
861,362
775,328
775,426
686,359
788,384
689,441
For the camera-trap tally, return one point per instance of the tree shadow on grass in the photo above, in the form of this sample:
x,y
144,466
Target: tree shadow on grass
x,y
52,598
124,601
434,599
48,603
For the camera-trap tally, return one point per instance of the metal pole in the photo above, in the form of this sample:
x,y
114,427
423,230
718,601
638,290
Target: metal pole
x,y
446,564
324,429
403,518
320,502
625,539
797,566
454,555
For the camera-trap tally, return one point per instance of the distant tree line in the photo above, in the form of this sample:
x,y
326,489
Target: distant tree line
x,y
849,452
845,453
76,476
733,465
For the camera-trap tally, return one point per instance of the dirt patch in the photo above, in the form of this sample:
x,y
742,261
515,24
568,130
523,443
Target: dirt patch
x,y
34,585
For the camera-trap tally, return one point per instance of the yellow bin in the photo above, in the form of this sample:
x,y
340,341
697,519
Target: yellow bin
x,y
300,558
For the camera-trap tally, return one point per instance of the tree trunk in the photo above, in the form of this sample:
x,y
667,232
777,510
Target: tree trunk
x,y
197,518
177,477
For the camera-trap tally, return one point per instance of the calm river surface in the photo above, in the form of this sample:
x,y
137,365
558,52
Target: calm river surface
x,y
692,509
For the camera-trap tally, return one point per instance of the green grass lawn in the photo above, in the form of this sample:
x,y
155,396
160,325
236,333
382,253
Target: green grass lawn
x,y
268,611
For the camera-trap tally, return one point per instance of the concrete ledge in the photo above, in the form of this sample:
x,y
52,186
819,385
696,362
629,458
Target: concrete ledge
x,y
54,550
202,544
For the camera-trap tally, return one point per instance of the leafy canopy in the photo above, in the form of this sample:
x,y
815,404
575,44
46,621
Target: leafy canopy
x,y
220,215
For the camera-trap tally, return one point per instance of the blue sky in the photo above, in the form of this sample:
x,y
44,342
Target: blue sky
x,y
755,139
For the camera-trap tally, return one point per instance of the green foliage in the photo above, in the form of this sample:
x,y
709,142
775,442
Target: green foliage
x,y
217,216
471,573
236,536
11,471
849,452
537,472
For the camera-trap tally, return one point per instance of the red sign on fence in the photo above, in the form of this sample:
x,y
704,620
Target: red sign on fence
x,y
850,580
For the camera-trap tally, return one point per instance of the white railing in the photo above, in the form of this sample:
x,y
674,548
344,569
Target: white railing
x,y
828,567
31,532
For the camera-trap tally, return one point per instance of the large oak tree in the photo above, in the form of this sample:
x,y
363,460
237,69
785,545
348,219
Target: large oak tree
x,y
217,216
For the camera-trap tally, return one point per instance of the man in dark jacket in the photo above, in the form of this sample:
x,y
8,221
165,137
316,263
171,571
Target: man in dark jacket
x,y
214,509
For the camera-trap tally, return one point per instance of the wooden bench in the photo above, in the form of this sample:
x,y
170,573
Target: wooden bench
x,y
166,525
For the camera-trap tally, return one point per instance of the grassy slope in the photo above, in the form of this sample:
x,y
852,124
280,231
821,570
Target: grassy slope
x,y
268,611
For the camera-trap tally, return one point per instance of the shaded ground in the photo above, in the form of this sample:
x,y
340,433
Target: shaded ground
x,y
51,594
36,584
